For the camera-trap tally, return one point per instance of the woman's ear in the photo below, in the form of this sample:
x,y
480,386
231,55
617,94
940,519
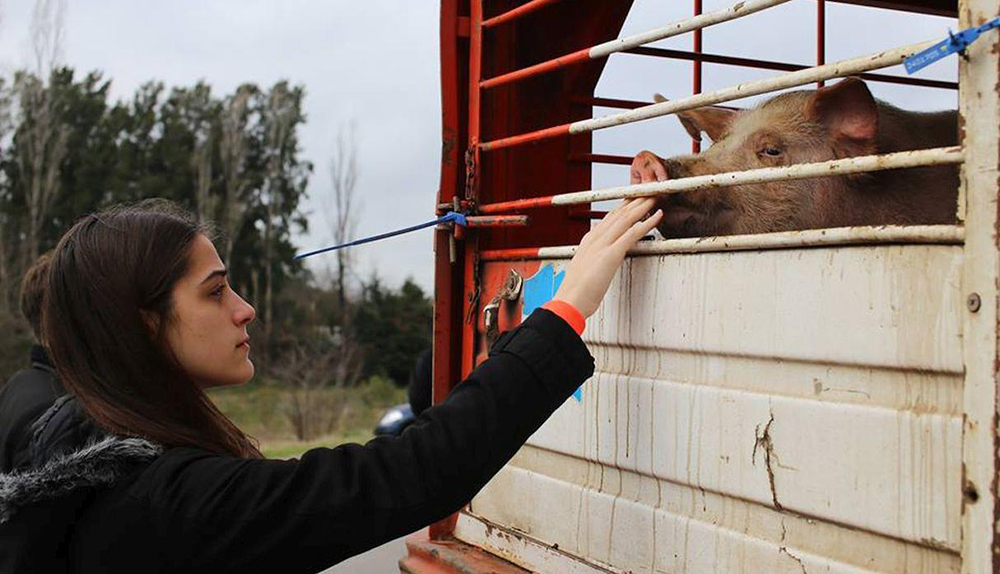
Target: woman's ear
x,y
151,320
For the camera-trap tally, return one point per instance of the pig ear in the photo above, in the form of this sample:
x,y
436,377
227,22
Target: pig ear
x,y
712,120
850,115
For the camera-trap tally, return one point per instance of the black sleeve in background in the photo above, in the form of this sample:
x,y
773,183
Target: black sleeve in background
x,y
420,386
302,516
24,398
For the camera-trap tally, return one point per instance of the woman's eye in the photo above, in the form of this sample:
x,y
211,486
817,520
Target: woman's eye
x,y
771,151
217,292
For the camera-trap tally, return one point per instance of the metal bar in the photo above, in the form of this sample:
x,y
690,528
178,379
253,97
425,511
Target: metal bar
x,y
820,36
627,104
538,69
529,137
696,71
739,10
911,234
790,80
861,164
611,103
901,6
497,220
979,192
475,74
588,215
780,66
516,13
602,158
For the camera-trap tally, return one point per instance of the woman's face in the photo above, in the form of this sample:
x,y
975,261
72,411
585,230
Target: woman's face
x,y
208,328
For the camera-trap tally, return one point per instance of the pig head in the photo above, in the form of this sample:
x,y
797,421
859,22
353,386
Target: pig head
x,y
839,121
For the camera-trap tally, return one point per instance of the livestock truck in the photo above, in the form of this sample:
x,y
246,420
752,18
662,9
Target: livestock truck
x,y
818,400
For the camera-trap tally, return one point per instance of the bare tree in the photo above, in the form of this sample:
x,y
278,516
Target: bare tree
x,y
48,31
206,204
6,125
201,164
341,216
279,117
45,134
233,148
316,403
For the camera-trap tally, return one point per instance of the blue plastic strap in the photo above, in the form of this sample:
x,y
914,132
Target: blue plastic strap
x,y
954,43
452,216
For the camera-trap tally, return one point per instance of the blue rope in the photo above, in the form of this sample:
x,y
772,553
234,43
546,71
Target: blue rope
x,y
451,216
954,43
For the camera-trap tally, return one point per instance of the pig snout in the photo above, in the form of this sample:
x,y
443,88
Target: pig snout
x,y
685,214
648,167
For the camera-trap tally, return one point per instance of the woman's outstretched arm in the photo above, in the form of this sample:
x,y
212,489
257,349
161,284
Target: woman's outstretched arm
x,y
304,515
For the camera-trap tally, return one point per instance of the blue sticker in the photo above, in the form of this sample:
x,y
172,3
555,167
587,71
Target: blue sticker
x,y
539,289
953,44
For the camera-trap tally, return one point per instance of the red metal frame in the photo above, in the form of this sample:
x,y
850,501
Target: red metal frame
x,y
696,67
525,98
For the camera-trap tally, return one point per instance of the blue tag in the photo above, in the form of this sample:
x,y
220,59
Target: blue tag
x,y
954,43
923,59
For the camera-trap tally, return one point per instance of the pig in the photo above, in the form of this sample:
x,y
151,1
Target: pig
x,y
838,121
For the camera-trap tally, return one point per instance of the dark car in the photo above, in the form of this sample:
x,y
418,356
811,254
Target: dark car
x,y
395,420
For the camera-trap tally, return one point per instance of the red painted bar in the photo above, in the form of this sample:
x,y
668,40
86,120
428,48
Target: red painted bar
x,y
537,69
780,66
497,220
696,72
518,12
603,158
590,215
525,138
820,36
516,205
918,7
507,254
612,103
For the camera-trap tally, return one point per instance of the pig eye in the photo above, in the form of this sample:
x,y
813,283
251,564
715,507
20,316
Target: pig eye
x,y
771,151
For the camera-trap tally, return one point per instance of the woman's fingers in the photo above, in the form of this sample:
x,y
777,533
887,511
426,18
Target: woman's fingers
x,y
639,230
601,254
632,212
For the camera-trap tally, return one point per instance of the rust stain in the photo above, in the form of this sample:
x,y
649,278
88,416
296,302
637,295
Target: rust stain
x,y
447,146
783,550
763,440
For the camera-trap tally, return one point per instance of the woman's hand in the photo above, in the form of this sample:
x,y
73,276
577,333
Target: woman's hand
x,y
602,251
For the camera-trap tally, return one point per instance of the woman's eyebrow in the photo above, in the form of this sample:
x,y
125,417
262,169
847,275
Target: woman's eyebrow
x,y
213,274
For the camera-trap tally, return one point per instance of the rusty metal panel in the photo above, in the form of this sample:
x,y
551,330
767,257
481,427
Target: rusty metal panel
x,y
979,118
753,411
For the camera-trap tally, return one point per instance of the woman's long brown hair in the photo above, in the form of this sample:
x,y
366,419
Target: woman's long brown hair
x,y
110,272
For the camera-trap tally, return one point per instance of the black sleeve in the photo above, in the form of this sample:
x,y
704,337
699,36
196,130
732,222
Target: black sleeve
x,y
418,390
305,515
22,400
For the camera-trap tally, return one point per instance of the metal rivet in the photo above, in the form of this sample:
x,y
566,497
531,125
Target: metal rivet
x,y
973,302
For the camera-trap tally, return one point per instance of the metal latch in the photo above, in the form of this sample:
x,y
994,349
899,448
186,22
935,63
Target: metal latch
x,y
510,291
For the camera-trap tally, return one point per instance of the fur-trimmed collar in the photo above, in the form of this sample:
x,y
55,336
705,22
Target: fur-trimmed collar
x,y
99,464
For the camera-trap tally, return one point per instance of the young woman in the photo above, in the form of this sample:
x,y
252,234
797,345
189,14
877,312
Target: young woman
x,y
140,320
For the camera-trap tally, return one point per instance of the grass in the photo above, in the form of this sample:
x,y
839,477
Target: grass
x,y
349,414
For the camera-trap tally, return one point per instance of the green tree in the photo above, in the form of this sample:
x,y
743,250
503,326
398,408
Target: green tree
x,y
392,327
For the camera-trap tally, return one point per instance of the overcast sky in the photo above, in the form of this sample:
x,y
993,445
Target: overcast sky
x,y
375,62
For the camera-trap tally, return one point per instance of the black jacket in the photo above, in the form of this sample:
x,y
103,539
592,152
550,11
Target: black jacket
x,y
24,397
121,505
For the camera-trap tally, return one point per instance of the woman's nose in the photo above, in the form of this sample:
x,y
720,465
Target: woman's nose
x,y
244,313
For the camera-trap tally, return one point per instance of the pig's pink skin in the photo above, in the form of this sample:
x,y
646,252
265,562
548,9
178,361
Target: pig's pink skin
x,y
800,127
